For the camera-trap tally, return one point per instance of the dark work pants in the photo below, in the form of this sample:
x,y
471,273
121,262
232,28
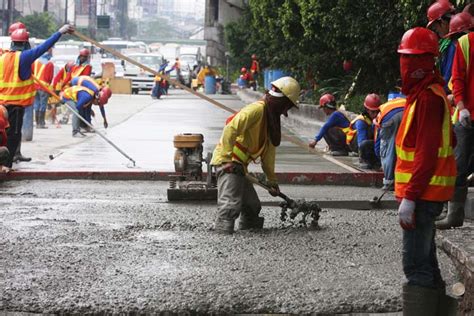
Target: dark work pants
x,y
367,153
464,151
15,118
336,139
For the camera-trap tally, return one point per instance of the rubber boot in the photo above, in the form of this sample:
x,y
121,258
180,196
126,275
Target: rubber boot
x,y
223,226
246,223
444,212
419,301
42,123
19,157
37,119
455,217
447,305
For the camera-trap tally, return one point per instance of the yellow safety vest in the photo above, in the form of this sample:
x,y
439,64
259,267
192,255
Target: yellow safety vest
x,y
71,92
351,132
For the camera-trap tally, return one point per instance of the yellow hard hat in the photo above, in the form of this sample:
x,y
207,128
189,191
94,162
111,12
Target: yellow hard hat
x,y
289,87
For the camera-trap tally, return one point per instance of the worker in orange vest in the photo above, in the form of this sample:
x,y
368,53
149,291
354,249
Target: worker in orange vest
x,y
255,69
18,90
43,70
425,172
81,67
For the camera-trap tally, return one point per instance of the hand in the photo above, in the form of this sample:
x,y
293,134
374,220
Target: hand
x,y
406,214
274,189
66,28
106,124
313,143
465,118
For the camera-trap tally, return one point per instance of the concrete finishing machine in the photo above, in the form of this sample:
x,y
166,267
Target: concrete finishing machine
x,y
189,183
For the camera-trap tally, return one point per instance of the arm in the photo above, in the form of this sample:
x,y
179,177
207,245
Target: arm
x,y
377,144
268,165
27,57
83,99
428,122
361,128
448,63
459,76
333,120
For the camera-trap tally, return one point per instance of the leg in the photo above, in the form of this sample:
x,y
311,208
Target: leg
x,y
230,194
250,209
43,96
15,118
336,140
388,155
367,154
27,127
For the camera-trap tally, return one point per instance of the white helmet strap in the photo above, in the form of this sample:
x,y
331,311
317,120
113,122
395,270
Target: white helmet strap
x,y
276,94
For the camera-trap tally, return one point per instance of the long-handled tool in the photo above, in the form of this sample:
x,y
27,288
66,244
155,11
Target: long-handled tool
x,y
299,206
74,112
375,202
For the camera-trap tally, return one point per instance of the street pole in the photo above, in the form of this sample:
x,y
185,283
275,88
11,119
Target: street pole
x,y
65,13
45,7
4,30
11,7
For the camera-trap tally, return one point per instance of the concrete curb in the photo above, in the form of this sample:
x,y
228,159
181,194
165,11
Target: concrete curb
x,y
360,179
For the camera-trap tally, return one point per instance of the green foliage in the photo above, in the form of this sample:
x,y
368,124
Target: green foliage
x,y
40,25
316,36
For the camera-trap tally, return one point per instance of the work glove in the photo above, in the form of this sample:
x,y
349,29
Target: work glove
x,y
313,143
106,124
66,28
465,118
406,214
274,189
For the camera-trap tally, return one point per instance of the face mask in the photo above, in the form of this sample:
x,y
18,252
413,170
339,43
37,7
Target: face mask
x,y
415,69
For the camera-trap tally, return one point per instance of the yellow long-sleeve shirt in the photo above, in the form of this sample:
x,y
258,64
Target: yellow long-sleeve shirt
x,y
248,128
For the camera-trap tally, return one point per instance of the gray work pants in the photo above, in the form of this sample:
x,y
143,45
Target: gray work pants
x,y
236,195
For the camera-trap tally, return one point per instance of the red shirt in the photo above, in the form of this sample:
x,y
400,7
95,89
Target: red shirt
x,y
3,126
247,77
463,78
425,136
255,67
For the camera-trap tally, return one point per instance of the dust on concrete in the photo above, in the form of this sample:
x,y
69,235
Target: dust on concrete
x,y
119,247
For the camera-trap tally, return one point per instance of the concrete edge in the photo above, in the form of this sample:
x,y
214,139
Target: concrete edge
x,y
464,263
308,178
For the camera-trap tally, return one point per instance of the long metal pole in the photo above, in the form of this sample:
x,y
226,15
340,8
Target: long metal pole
x,y
74,111
65,12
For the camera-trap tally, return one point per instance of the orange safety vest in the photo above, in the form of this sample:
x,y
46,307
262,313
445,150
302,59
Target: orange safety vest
x,y
351,132
13,90
38,69
463,42
77,71
441,185
71,92
385,109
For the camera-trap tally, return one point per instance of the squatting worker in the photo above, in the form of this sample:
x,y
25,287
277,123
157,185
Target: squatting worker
x,y
17,90
253,133
425,171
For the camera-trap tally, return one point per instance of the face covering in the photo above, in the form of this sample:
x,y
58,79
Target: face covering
x,y
417,74
275,107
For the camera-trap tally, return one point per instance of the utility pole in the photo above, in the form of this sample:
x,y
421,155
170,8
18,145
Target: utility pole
x,y
45,7
65,13
11,7
4,32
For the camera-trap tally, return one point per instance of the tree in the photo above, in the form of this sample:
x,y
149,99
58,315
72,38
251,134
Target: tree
x,y
40,25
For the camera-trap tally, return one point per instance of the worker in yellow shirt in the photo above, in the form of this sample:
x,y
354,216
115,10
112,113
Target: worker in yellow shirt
x,y
252,133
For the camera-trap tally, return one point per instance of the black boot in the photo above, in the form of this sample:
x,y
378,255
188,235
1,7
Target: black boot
x,y
19,157
419,301
37,119
455,217
42,123
246,222
223,226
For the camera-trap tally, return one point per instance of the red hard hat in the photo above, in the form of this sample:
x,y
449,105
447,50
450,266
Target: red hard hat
x,y
104,95
437,10
84,52
16,26
459,23
20,35
254,56
419,40
243,70
372,102
327,100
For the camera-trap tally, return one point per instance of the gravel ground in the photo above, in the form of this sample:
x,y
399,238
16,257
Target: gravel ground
x,y
119,247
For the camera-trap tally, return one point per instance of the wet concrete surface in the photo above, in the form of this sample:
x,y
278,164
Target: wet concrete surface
x,y
120,247
144,129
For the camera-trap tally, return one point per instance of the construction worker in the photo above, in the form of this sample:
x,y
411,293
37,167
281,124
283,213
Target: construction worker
x,y
386,128
4,153
205,71
79,96
43,70
18,91
248,78
255,69
82,66
252,133
439,15
360,135
463,91
334,129
425,171
59,80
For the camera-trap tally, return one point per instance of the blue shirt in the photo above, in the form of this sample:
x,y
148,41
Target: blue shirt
x,y
335,119
91,86
363,130
28,57
85,83
446,63
385,119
